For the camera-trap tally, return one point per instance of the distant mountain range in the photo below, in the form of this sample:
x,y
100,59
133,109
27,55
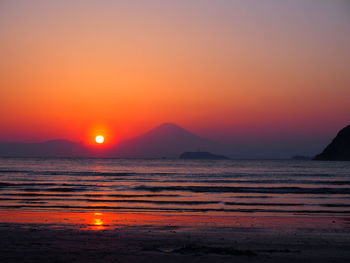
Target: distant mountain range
x,y
52,148
167,140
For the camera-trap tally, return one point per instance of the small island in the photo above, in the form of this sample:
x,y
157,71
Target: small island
x,y
202,156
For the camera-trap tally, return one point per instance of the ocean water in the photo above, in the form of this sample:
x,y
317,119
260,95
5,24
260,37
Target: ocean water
x,y
176,186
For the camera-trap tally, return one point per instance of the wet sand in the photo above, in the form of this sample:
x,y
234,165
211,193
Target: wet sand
x,y
151,238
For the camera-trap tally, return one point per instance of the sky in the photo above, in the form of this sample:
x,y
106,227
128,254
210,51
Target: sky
x,y
246,72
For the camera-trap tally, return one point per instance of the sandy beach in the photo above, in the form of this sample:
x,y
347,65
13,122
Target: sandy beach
x,y
178,239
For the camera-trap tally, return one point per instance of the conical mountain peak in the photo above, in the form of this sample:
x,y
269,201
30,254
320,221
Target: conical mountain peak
x,y
167,139
168,128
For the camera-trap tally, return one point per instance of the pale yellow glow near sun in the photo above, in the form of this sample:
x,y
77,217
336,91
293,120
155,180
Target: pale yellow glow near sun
x,y
99,139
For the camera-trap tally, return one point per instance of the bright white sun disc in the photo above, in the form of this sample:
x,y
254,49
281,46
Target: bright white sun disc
x,y
99,139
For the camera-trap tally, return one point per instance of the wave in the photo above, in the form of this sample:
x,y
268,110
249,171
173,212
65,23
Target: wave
x,y
245,187
92,195
188,174
168,209
158,202
260,181
80,173
227,189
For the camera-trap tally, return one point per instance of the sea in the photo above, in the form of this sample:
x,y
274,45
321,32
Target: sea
x,y
190,187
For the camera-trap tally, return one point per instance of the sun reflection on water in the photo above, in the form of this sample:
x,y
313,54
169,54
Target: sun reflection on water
x,y
98,222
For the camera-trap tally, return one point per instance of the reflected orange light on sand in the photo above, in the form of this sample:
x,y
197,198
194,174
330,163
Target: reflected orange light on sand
x,y
97,221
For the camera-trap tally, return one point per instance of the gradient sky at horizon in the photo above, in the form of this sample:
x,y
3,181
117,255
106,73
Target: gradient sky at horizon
x,y
234,71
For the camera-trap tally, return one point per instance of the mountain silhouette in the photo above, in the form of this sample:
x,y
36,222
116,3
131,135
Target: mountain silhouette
x,y
338,149
166,140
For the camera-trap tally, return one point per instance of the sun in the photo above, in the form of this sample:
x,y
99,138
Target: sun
x,y
99,139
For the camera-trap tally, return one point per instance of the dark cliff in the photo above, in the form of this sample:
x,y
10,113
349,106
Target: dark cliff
x,y
338,149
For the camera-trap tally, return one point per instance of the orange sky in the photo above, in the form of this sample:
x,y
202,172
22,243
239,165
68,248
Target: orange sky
x,y
220,68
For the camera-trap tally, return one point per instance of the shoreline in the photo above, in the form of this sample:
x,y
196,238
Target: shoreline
x,y
114,219
172,238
